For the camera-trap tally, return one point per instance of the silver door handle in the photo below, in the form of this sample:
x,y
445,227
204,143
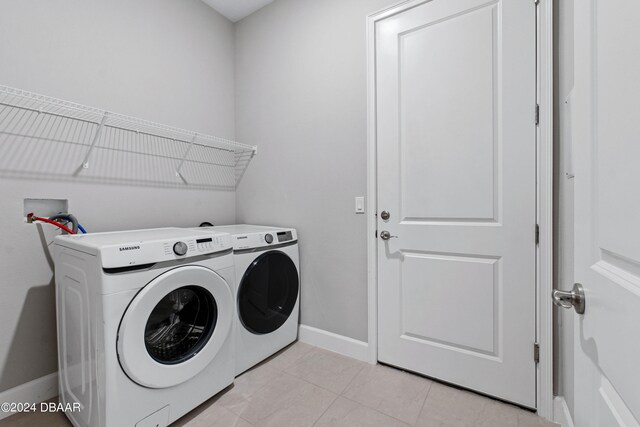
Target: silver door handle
x,y
570,299
385,235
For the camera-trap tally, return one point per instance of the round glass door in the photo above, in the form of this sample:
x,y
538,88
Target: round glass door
x,y
175,326
180,325
268,292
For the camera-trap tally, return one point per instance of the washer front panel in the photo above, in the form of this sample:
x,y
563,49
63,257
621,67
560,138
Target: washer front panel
x,y
175,326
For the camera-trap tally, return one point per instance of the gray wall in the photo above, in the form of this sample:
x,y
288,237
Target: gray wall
x,y
563,250
301,95
163,60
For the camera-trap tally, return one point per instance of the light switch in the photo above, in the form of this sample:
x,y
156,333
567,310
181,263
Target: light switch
x,y
360,204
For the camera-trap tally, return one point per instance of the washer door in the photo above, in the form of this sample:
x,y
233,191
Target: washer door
x,y
268,292
175,326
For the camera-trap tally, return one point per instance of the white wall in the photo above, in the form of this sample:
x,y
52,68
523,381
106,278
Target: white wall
x,y
163,60
301,95
563,58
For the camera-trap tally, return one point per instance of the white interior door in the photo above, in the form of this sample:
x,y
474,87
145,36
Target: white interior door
x,y
456,162
606,132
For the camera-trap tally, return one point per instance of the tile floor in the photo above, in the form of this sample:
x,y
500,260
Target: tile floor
x,y
307,386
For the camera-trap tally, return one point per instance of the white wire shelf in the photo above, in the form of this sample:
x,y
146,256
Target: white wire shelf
x,y
47,138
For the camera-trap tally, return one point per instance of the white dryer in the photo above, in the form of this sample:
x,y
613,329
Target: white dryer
x,y
144,323
267,291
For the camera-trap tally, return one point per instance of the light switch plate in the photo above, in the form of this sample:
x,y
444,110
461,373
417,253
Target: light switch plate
x,y
359,204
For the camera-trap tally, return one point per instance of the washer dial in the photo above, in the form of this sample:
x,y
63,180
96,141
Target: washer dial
x,y
180,248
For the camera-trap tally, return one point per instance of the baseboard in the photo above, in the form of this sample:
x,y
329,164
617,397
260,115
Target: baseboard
x,y
334,342
561,414
34,391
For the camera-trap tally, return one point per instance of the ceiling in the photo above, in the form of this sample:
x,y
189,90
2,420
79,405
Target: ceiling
x,y
235,10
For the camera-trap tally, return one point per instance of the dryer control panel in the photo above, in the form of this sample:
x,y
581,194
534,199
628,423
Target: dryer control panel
x,y
263,239
258,237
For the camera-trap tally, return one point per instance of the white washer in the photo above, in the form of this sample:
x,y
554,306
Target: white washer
x,y
144,323
267,291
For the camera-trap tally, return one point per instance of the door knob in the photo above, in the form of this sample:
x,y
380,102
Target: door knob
x,y
385,215
570,299
385,235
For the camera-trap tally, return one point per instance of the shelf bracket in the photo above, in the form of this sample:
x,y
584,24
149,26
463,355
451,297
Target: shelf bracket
x,y
85,162
184,157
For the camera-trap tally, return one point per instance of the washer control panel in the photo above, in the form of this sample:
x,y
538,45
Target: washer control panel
x,y
138,247
211,244
197,246
285,236
180,248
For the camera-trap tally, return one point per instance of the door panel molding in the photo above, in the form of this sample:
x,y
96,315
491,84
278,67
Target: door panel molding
x,y
473,274
476,148
544,152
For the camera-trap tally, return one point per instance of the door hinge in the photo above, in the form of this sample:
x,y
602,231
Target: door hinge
x,y
536,2
537,234
537,114
536,352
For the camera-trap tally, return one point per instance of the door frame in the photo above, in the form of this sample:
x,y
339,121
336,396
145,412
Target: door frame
x,y
544,194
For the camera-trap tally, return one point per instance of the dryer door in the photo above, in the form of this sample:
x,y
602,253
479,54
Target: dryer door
x,y
175,326
268,292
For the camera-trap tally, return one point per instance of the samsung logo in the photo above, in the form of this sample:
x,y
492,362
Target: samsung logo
x,y
129,248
